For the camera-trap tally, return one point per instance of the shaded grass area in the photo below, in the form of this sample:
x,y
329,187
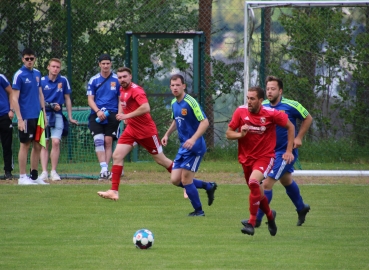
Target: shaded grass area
x,y
70,227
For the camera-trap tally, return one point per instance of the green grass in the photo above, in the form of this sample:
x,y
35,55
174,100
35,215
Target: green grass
x,y
70,227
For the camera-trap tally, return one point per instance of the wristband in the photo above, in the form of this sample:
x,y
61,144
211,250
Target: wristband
x,y
98,110
12,110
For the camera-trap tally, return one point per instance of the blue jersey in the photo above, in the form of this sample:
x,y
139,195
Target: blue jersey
x,y
27,82
295,111
4,99
54,91
107,95
188,114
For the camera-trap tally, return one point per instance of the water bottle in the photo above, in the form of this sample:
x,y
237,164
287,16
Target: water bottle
x,y
106,115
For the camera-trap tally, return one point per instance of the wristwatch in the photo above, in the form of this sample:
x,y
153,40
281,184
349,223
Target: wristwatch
x,y
12,110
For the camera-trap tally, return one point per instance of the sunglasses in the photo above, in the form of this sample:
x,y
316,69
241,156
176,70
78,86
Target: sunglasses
x,y
29,58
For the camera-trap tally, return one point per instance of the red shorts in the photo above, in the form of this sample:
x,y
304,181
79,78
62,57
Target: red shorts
x,y
263,165
151,144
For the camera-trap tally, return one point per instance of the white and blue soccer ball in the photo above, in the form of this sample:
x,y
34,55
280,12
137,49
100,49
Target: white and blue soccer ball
x,y
143,239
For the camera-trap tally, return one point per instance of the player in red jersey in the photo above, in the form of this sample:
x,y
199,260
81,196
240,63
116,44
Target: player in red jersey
x,y
254,126
134,110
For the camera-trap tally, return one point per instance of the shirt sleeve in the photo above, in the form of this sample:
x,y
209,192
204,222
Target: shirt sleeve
x,y
91,88
66,87
3,81
140,96
235,121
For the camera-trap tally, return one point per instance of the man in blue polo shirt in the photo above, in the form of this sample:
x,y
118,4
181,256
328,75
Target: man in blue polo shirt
x,y
56,90
6,127
103,98
191,123
28,101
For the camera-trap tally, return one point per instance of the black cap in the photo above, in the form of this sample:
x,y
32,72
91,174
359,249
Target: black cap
x,y
104,57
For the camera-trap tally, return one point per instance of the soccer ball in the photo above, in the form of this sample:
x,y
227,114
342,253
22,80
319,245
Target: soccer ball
x,y
143,239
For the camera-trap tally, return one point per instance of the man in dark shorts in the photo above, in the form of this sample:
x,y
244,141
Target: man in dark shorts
x,y
103,98
28,101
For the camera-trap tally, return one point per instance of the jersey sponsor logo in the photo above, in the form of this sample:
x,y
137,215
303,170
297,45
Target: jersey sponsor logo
x,y
262,120
60,87
179,120
184,111
258,130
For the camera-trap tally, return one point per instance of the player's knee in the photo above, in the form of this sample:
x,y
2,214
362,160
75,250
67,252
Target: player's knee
x,y
253,183
99,143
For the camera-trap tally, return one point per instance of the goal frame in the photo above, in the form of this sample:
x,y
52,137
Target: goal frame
x,y
249,7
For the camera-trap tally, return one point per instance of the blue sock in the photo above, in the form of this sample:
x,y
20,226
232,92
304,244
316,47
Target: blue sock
x,y
194,197
293,192
201,184
269,195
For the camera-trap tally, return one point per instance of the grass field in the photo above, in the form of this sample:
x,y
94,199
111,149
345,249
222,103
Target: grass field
x,y
67,226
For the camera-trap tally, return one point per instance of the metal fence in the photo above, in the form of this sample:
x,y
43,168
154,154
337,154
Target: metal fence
x,y
309,48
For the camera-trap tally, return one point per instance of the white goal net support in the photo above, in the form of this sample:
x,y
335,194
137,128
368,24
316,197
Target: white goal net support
x,y
320,49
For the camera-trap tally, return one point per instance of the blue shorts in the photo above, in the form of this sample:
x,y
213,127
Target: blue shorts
x,y
280,166
187,161
57,130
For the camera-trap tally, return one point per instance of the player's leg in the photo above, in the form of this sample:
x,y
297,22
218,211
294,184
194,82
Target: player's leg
x,y
44,157
56,135
124,146
293,192
6,130
279,167
97,131
25,143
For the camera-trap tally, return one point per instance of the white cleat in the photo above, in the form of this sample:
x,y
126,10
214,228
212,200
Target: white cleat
x,y
40,181
54,176
26,181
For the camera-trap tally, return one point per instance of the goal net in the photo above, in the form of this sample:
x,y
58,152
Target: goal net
x,y
320,51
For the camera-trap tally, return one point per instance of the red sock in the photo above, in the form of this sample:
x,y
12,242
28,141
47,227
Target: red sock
x,y
254,200
264,206
169,169
115,178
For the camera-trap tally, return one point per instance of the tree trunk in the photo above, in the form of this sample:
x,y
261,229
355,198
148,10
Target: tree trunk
x,y
205,13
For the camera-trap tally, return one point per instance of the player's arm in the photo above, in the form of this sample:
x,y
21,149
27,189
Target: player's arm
x,y
9,90
68,105
170,130
305,125
144,108
288,156
15,97
232,134
204,124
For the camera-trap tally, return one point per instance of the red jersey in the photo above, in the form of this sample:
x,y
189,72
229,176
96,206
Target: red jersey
x,y
260,140
142,126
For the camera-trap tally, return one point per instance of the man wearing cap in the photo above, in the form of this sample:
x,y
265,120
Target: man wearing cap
x,y
103,99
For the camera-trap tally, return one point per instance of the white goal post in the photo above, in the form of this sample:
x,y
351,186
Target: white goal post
x,y
249,14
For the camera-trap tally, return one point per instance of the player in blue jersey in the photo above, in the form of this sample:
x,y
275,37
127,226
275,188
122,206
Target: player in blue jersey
x,y
191,123
28,100
6,126
103,96
282,171
56,90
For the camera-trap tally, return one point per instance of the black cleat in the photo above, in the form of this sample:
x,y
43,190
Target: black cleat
x,y
272,227
257,224
211,192
197,214
248,229
8,175
302,214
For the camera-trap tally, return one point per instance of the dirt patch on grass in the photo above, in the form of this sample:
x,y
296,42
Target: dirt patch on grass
x,y
220,178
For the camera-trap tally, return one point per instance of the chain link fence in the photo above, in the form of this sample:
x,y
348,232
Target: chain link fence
x,y
320,53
